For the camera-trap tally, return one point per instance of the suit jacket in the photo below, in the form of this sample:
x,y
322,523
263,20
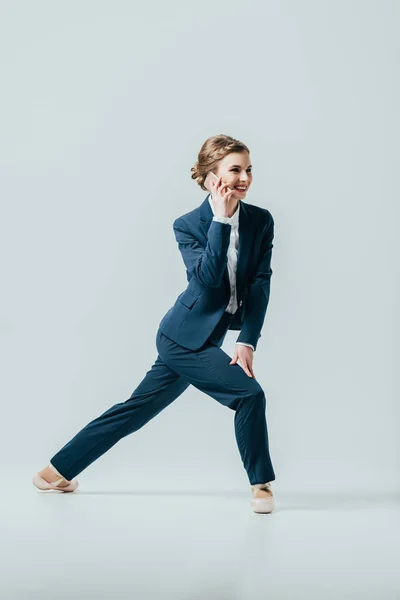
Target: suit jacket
x,y
203,243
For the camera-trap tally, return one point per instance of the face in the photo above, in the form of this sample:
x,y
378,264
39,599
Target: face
x,y
235,170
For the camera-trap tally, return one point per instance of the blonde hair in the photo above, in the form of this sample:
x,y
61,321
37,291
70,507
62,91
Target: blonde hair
x,y
213,150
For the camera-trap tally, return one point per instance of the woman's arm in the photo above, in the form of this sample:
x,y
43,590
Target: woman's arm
x,y
206,264
259,290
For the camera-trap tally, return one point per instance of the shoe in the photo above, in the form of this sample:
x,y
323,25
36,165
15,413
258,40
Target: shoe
x,y
42,484
263,499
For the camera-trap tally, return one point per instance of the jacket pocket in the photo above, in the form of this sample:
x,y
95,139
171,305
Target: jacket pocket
x,y
187,298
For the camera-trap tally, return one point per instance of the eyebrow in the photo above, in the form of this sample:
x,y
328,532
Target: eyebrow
x,y
239,166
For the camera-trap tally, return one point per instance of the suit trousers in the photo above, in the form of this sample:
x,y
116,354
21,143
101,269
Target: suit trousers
x,y
174,369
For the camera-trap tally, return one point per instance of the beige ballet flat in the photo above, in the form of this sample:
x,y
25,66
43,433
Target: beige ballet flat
x,y
42,484
263,499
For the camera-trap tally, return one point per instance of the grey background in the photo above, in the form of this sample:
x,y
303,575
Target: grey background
x,y
104,107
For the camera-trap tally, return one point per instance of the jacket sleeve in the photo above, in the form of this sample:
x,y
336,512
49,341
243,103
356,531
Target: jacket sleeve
x,y
259,290
206,264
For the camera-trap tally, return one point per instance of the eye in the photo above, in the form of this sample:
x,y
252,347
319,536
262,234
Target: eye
x,y
236,170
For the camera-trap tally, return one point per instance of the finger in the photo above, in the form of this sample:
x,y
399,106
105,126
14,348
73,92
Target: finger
x,y
246,370
225,189
222,189
223,186
235,358
249,366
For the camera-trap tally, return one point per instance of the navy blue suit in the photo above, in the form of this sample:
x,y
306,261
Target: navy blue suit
x,y
203,244
189,342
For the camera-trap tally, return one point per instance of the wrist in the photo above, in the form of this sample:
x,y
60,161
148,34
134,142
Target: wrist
x,y
246,344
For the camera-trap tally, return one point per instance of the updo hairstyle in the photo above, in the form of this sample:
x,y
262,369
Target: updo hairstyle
x,y
213,150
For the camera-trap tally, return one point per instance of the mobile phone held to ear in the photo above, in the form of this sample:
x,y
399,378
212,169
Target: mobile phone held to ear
x,y
212,176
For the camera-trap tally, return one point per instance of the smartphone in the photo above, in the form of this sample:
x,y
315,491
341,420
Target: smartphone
x,y
215,178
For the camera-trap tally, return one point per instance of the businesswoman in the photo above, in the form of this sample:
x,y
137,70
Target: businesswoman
x,y
226,246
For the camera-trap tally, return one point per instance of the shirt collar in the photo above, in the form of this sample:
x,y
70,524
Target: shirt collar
x,y
234,219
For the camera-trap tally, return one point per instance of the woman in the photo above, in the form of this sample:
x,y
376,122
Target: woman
x,y
226,246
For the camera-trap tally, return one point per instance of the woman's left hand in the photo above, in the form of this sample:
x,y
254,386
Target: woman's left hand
x,y
245,355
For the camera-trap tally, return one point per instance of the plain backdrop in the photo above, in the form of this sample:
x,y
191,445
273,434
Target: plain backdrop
x,y
104,107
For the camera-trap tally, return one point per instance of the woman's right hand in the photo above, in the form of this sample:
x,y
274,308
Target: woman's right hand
x,y
220,198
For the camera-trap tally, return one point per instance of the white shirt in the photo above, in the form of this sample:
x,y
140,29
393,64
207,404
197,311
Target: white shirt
x,y
232,257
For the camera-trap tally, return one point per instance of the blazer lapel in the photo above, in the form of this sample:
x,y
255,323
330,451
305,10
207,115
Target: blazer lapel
x,y
245,245
245,239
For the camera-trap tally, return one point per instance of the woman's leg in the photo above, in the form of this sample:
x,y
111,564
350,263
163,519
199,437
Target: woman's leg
x,y
159,388
208,369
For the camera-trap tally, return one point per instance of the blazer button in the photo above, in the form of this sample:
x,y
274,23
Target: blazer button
x,y
240,303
